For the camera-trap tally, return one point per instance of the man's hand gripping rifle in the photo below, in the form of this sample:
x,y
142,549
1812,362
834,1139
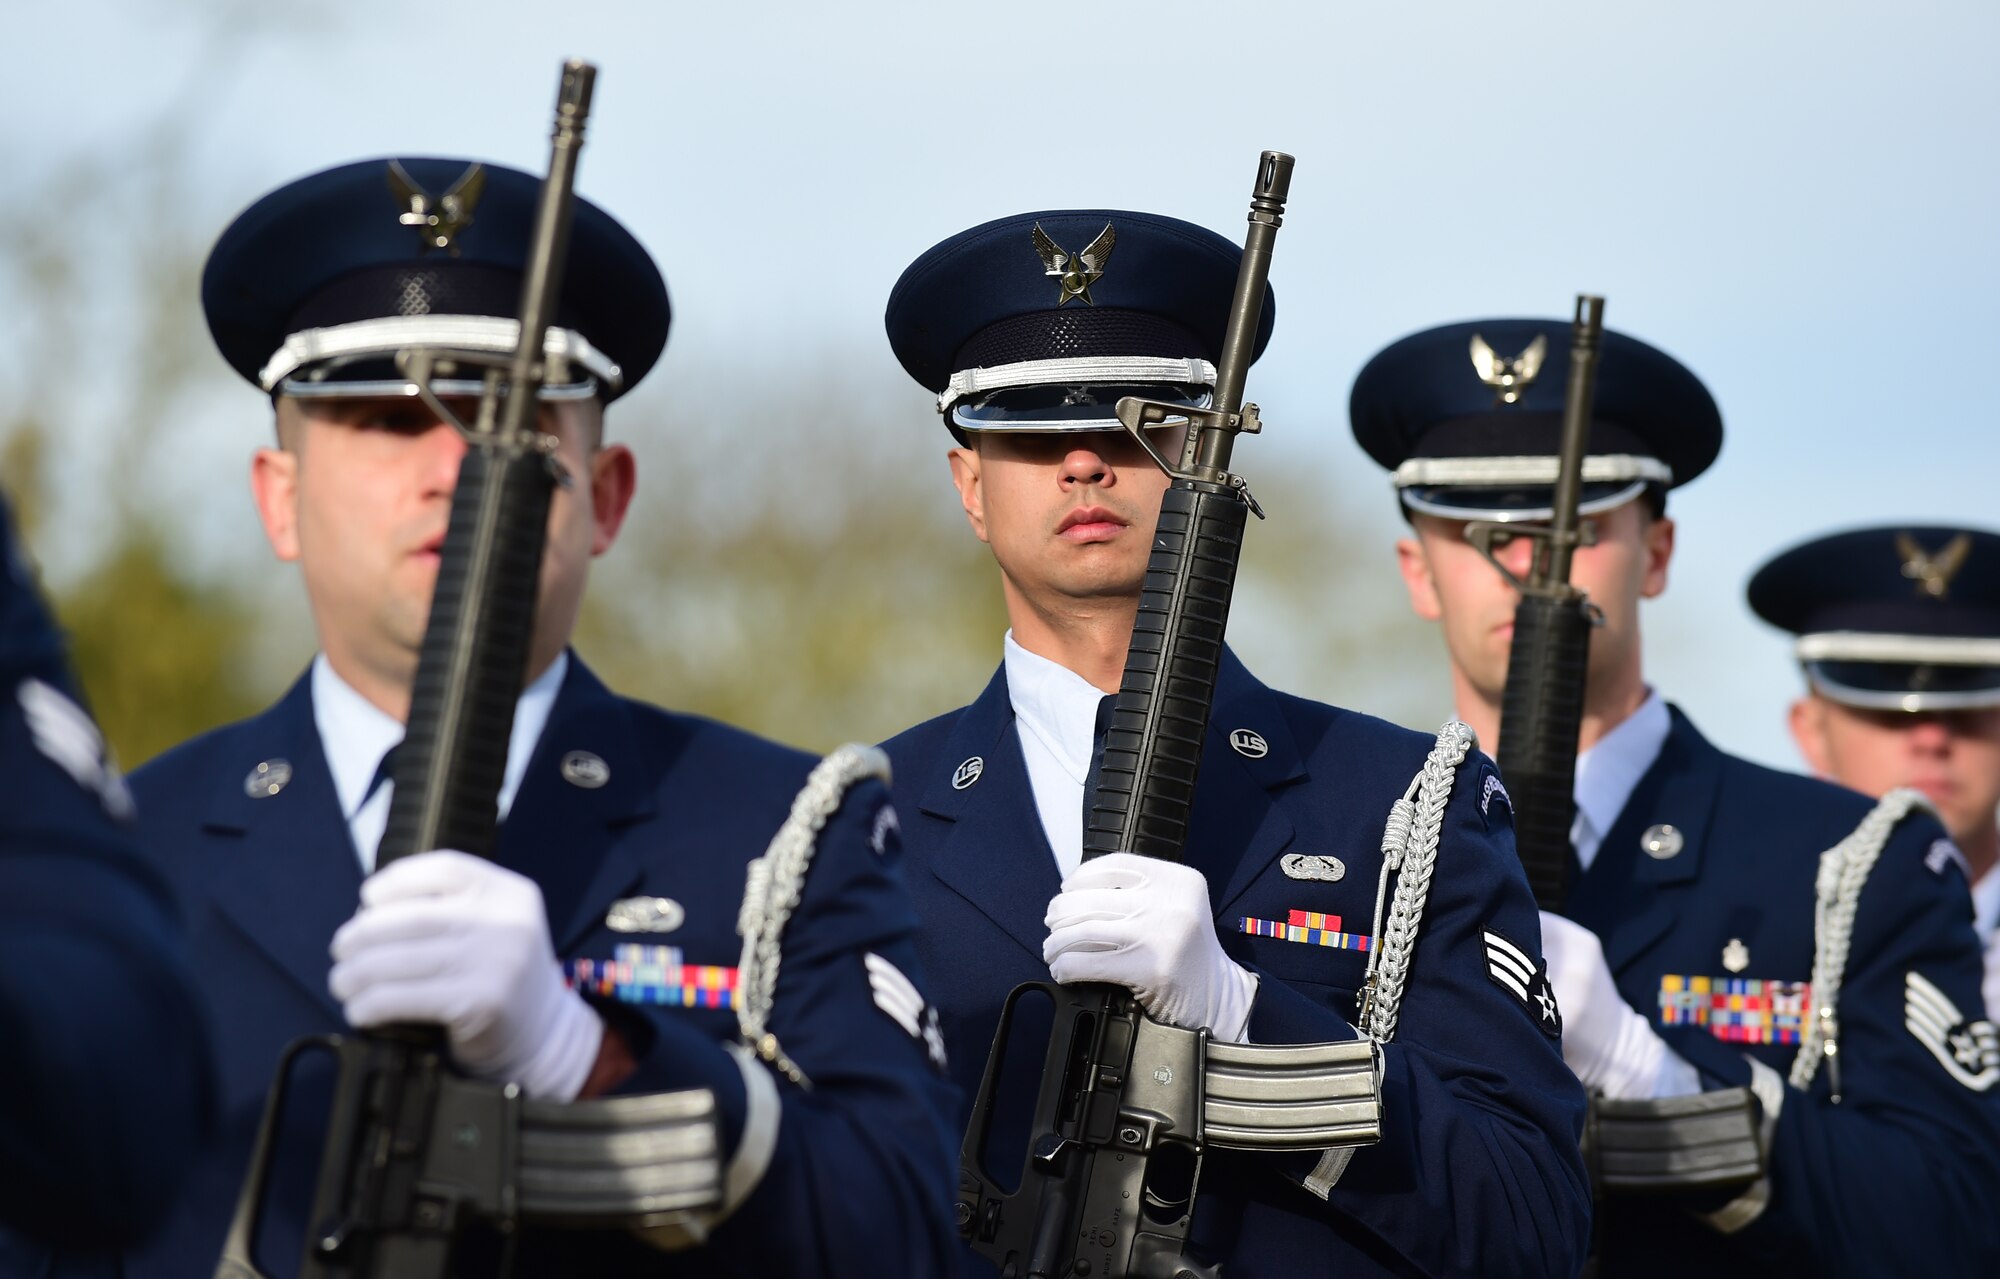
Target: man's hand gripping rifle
x,y
1705,1142
415,1151
1127,1105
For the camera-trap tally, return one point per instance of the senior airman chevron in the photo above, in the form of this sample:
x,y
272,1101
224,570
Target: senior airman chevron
x,y
1311,927
1740,1010
638,974
1527,981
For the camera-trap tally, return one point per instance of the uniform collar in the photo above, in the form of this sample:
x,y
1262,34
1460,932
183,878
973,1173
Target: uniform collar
x,y
1055,704
1609,771
1986,903
355,733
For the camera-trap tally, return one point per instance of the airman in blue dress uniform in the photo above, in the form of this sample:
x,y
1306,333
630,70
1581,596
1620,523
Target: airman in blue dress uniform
x,y
1899,637
1690,959
1030,328
598,951
92,960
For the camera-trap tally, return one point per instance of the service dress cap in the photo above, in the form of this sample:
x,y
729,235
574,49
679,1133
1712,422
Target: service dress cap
x,y
313,289
1042,321
1469,418
1902,617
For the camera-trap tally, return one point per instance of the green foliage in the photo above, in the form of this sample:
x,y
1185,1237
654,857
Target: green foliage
x,y
163,655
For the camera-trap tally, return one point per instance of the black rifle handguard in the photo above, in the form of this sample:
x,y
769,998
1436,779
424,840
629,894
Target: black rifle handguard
x,y
1542,714
469,670
1146,779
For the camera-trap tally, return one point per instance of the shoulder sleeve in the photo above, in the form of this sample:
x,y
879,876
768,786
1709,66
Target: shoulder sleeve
x,y
1480,1112
857,1163
1897,1175
92,964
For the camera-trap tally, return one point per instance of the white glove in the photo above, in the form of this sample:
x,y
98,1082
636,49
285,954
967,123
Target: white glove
x,y
1146,925
1610,1046
452,939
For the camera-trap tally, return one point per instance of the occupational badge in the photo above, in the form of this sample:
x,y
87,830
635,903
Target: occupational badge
x,y
645,915
1314,866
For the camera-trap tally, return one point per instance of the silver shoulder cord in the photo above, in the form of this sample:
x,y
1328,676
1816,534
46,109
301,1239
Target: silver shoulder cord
x,y
774,886
1843,873
1409,856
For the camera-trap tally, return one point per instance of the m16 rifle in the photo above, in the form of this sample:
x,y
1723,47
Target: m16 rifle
x,y
1541,711
1127,1105
415,1152
1706,1142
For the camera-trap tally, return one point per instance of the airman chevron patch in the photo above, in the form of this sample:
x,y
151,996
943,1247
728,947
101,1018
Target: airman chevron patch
x,y
898,996
1968,1050
1528,982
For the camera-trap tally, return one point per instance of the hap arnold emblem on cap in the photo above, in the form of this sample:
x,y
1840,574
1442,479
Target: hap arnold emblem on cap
x,y
1074,273
438,219
1933,573
1508,378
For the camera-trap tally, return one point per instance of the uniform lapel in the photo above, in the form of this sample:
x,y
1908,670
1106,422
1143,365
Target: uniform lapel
x,y
297,877
995,854
1237,828
564,835
1630,893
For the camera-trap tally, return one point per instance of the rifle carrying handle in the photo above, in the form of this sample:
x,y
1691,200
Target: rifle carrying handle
x,y
1143,788
1539,726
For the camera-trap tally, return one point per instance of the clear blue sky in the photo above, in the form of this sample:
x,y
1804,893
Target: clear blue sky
x,y
1797,199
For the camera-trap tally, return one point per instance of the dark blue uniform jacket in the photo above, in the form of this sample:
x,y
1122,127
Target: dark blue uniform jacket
x,y
1478,1170
92,965
859,1185
1901,1176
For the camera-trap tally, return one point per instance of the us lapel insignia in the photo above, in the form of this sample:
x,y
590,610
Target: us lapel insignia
x,y
967,773
1662,842
1307,927
438,219
1738,1010
585,770
1968,1050
1933,573
1736,956
1508,378
1510,968
1249,743
1327,870
645,915
268,778
1074,273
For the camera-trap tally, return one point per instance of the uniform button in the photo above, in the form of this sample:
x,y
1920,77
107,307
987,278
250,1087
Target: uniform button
x,y
1661,842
